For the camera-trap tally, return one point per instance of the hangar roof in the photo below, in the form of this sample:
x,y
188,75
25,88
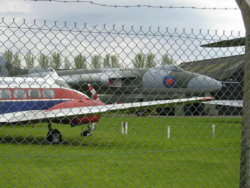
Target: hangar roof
x,y
218,68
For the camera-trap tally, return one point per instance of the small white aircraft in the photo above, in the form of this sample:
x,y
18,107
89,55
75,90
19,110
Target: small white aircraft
x,y
25,100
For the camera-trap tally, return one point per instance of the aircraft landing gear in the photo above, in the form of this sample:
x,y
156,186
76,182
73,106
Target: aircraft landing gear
x,y
90,130
54,136
86,133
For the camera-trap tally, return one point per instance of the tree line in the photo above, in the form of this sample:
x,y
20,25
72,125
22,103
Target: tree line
x,y
57,61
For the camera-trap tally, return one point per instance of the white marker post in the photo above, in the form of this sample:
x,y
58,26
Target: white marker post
x,y
169,131
92,126
124,127
213,131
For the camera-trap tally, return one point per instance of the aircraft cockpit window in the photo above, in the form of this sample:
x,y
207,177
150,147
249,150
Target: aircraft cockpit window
x,y
49,93
20,93
5,94
34,93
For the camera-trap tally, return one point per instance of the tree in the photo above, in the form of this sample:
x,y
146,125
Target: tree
x,y
16,62
139,61
150,61
111,61
55,60
13,59
244,6
115,62
107,61
80,62
30,60
166,60
67,63
96,62
144,61
8,55
43,61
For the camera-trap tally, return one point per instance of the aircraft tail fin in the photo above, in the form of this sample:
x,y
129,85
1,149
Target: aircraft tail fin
x,y
93,92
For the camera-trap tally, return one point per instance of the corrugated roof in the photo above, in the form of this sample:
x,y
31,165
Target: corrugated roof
x,y
219,68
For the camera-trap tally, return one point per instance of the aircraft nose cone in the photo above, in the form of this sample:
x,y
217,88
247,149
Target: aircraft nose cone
x,y
204,83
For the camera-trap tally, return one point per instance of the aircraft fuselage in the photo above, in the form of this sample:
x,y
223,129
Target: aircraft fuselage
x,y
19,94
163,82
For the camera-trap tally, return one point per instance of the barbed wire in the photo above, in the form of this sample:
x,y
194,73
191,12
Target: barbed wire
x,y
139,5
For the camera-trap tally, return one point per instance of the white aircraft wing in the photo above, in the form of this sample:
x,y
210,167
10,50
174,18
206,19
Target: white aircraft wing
x,y
38,116
233,103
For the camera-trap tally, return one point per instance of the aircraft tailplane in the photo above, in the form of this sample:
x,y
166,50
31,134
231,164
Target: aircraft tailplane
x,y
93,92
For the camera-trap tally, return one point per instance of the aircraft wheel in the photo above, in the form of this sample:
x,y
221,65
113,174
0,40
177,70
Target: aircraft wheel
x,y
54,136
86,133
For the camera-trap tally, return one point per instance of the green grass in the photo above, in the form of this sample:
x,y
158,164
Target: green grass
x,y
143,158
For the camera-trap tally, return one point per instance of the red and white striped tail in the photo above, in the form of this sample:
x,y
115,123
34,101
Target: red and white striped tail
x,y
93,92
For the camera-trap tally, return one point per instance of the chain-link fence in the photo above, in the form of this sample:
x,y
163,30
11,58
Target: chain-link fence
x,y
118,106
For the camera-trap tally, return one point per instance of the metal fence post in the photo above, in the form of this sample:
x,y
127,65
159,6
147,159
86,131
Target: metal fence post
x,y
245,151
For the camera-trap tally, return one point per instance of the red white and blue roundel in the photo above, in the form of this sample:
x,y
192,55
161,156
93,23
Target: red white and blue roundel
x,y
169,81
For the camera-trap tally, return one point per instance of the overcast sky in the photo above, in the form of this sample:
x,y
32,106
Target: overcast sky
x,y
176,44
229,20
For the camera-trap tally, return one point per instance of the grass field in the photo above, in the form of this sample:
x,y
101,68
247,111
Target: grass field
x,y
145,157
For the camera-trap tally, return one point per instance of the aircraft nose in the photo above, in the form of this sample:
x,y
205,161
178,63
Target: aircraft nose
x,y
204,83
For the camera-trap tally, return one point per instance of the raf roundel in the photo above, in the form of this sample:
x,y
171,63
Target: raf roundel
x,y
169,81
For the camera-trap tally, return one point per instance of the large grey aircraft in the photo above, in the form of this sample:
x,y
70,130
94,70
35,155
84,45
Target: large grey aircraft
x,y
129,85
159,82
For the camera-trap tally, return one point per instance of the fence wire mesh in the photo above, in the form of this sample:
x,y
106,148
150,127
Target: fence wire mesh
x,y
118,106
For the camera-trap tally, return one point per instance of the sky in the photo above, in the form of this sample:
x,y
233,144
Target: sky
x,y
228,20
181,45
